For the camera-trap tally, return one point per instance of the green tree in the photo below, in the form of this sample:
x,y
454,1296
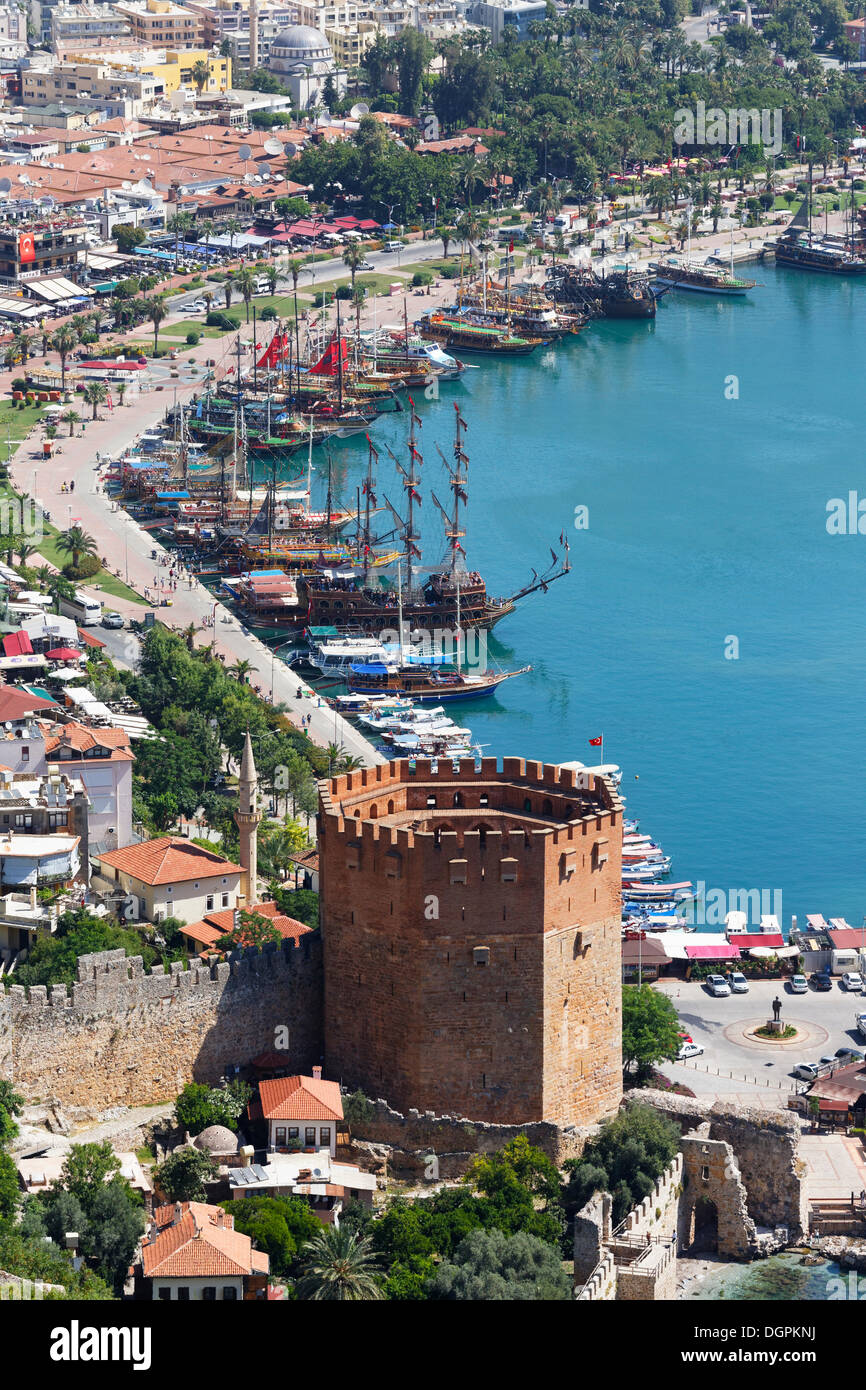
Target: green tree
x,y
252,930
338,1267
156,312
245,283
650,1029
9,1191
492,1266
76,541
183,1175
280,1226
85,1169
114,1227
95,394
11,1104
626,1159
63,342
200,73
128,237
353,257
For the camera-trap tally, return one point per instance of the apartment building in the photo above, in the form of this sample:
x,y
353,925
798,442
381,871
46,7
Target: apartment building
x,y
73,24
162,23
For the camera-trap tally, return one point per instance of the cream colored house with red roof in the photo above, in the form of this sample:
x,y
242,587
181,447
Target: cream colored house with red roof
x,y
193,1254
302,1109
202,936
168,877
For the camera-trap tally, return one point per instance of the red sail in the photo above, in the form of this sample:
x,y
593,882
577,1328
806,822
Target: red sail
x,y
275,351
329,363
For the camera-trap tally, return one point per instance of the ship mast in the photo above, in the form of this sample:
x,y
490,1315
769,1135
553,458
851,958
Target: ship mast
x,y
369,501
459,483
410,488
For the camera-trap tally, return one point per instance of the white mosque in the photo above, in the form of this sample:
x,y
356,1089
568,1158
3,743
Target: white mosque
x,y
302,59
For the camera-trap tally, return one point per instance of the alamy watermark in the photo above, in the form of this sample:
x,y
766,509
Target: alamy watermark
x,y
710,907
22,516
734,126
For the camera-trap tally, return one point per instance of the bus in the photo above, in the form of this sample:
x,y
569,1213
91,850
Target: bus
x,y
86,611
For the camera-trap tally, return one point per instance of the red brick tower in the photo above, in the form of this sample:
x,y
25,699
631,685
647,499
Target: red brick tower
x,y
471,933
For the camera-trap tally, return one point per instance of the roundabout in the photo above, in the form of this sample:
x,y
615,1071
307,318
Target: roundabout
x,y
808,1035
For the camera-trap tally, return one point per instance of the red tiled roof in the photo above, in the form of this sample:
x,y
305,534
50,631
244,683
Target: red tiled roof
x,y
210,928
168,860
202,1244
300,1098
745,940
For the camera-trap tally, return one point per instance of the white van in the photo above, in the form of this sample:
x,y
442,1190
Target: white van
x,y
393,246
86,611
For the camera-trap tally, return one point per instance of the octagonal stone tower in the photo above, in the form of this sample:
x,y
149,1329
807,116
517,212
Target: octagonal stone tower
x,y
471,934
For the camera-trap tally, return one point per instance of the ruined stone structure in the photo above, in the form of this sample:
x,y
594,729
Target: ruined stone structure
x,y
471,936
735,1188
124,1037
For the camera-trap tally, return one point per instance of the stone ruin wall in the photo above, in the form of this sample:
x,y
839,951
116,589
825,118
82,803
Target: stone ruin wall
x,y
122,1036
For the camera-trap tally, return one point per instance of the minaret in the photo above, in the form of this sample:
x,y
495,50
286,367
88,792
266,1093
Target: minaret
x,y
254,35
247,818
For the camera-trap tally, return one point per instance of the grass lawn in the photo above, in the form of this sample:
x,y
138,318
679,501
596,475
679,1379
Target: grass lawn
x,y
15,423
184,326
108,583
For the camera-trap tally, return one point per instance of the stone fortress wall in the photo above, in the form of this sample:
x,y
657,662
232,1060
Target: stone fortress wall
x,y
123,1036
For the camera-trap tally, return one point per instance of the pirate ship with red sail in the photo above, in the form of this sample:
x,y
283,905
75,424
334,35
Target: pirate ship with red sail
x,y
451,596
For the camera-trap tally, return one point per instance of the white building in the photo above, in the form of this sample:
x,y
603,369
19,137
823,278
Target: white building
x,y
168,877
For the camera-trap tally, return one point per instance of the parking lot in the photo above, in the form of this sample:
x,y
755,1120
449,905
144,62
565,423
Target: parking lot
x,y
826,1021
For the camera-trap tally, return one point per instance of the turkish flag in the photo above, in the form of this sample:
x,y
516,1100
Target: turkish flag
x,y
597,742
26,248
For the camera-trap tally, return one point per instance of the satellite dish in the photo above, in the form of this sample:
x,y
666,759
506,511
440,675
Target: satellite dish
x,y
265,171
146,186
46,201
244,152
358,110
5,188
290,150
274,147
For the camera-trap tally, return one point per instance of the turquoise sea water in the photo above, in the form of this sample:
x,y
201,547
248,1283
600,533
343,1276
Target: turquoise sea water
x,y
780,1278
707,520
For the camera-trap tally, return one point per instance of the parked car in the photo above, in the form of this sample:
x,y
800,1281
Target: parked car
x,y
848,1054
685,1037
798,984
822,981
366,265
828,1061
852,980
199,306
738,982
112,620
718,986
689,1049
807,1071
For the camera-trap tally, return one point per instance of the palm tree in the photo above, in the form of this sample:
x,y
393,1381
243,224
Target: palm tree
x,y
23,549
445,235
715,213
188,635
76,542
242,670
23,344
156,312
272,275
72,418
206,231
63,343
339,1266
245,281
294,267
200,73
180,223
353,257
121,392
233,226
208,299
94,394
227,291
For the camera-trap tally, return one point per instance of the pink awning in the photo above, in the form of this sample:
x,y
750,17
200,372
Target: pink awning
x,y
713,952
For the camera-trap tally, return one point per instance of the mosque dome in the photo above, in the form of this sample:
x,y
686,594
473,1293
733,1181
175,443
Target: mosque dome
x,y
300,43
